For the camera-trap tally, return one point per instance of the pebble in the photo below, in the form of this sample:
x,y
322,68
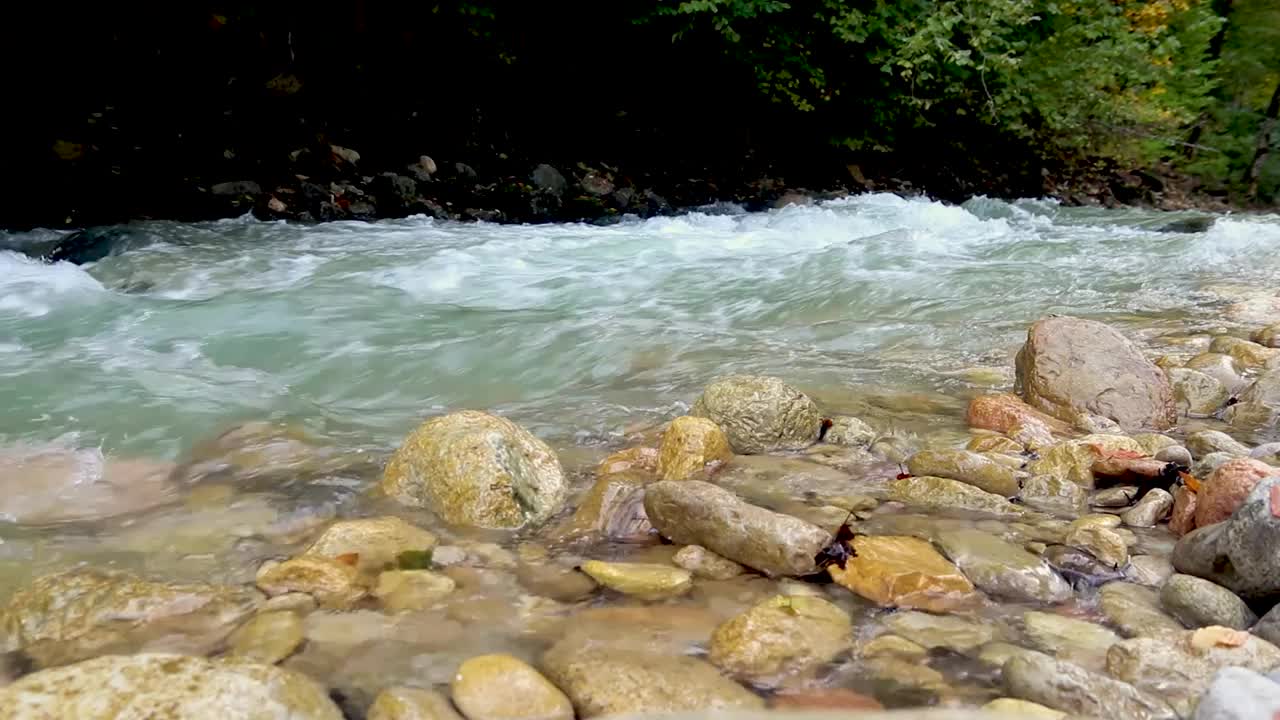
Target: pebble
x,y
502,687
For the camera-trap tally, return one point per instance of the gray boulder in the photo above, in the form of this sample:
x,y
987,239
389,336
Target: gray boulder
x,y
1072,689
760,413
1196,602
1001,568
1239,553
691,512
1070,366
1239,694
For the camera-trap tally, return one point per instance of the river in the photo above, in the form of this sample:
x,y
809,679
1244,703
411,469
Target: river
x,y
896,310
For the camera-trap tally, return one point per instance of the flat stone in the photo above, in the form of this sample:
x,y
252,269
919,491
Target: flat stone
x,y
334,584
1078,641
376,542
894,645
1203,442
1115,497
895,571
930,631
1102,543
1150,510
1136,610
1001,568
1074,690
137,686
400,590
648,581
1054,495
968,467
1002,412
935,493
705,564
1023,709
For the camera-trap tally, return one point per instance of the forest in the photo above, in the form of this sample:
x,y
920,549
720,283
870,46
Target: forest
x,y
136,110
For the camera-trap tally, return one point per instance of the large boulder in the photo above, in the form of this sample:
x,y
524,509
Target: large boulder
x,y
82,612
1070,366
602,680
760,413
1227,488
1239,694
894,571
129,687
693,512
968,467
1259,404
1001,568
1240,553
781,636
478,470
1072,689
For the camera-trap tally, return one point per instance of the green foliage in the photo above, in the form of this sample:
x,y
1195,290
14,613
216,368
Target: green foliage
x,y
1124,79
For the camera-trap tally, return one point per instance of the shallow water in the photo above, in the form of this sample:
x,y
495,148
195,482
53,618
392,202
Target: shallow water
x,y
896,310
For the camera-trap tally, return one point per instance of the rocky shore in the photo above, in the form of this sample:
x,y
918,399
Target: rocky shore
x,y
1102,544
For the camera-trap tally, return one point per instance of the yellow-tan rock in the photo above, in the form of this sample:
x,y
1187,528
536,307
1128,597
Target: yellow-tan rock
x,y
691,446
783,635
407,703
333,583
267,637
476,469
648,581
399,590
502,687
899,571
375,541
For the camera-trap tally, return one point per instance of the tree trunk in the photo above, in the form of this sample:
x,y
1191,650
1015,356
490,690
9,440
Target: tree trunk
x,y
1223,10
1265,132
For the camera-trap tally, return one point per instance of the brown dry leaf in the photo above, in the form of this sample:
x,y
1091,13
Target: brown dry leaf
x,y
1217,636
351,559
1191,481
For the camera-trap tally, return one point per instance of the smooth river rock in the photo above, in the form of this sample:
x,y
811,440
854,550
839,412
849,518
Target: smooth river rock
x,y
935,493
1197,393
268,637
1002,569
1259,404
476,469
333,583
1227,488
1054,495
1071,365
705,564
1150,510
781,636
51,485
760,413
1067,638
647,581
691,446
1004,412
376,542
1203,442
1072,689
1196,602
606,681
502,687
692,512
929,631
407,703
1136,610
894,571
133,687
973,468
614,508
1103,543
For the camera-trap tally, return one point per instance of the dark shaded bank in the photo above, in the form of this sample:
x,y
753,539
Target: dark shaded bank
x,y
506,112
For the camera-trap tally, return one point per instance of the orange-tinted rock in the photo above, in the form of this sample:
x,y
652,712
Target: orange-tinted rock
x,y
1183,518
899,571
1002,412
824,699
1227,488
690,447
636,458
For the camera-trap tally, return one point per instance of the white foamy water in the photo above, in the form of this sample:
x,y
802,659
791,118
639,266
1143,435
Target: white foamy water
x,y
576,330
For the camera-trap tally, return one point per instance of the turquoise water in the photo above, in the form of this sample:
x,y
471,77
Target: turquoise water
x,y
357,330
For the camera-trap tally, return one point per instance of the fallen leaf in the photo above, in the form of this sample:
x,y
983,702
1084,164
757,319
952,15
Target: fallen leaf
x,y
348,559
1193,483
1217,636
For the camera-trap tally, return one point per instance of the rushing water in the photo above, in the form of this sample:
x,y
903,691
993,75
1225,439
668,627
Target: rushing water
x,y
894,309
573,329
